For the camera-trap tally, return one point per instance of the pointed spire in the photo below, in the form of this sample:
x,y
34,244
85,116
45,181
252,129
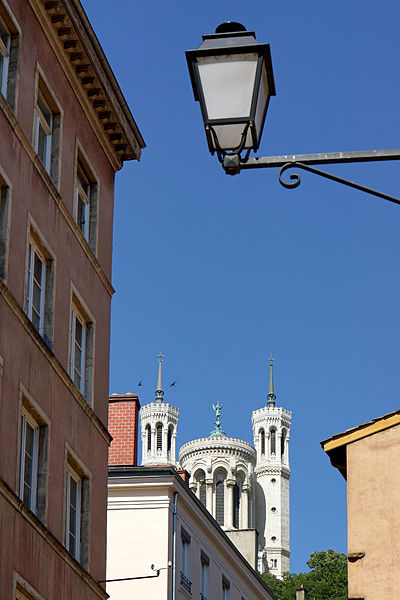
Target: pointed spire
x,y
271,396
159,390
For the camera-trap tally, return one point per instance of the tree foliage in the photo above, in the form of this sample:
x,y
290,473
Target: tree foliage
x,y
326,580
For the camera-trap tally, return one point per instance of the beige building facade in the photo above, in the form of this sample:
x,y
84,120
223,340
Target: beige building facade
x,y
155,519
368,457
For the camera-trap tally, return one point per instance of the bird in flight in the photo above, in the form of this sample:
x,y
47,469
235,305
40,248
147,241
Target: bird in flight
x,y
173,383
140,383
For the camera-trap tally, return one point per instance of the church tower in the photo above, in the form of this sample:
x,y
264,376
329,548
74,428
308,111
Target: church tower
x,y
271,428
159,422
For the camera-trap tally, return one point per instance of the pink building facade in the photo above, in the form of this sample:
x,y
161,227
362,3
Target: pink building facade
x,y
65,130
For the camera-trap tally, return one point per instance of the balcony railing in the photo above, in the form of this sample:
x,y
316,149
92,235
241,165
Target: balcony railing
x,y
186,583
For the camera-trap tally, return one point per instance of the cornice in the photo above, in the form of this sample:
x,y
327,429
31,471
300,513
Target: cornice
x,y
53,361
276,470
206,446
86,68
7,493
276,412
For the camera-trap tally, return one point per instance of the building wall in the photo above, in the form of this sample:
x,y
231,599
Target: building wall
x,y
35,371
373,484
141,508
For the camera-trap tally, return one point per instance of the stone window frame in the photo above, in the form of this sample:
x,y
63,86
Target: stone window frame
x,y
225,587
5,218
186,560
22,590
31,412
73,466
204,576
80,310
52,127
37,240
9,77
89,196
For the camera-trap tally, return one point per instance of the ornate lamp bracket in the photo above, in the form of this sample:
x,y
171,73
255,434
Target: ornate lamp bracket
x,y
233,164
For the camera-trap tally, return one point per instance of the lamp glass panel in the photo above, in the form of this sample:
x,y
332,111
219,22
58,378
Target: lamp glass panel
x,y
230,136
228,84
262,100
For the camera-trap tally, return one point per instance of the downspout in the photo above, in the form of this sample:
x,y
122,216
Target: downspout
x,y
174,548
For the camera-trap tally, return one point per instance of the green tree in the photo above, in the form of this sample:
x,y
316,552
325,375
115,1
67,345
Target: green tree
x,y
326,580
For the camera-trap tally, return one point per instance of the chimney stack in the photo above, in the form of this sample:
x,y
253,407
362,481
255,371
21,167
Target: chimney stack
x,y
123,412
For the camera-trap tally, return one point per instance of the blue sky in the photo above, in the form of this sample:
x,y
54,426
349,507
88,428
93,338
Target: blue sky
x,y
218,272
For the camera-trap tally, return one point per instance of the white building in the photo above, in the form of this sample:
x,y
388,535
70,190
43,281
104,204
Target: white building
x,y
154,519
244,487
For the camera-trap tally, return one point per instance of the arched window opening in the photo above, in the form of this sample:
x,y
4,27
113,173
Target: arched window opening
x,y
200,477
148,434
159,436
262,441
273,441
219,500
169,439
235,511
202,492
283,440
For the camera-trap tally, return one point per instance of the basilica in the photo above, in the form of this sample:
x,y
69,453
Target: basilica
x,y
245,487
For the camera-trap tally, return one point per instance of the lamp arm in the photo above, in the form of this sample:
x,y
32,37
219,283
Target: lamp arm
x,y
233,165
295,180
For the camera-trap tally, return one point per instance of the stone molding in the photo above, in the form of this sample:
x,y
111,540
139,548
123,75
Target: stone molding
x,y
214,447
86,67
265,470
7,493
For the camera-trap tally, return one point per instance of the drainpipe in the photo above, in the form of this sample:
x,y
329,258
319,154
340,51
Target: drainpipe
x,y
174,548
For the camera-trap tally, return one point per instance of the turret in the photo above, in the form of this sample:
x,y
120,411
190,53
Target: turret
x,y
271,429
159,422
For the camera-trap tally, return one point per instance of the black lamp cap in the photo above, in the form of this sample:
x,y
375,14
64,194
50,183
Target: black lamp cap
x,y
230,27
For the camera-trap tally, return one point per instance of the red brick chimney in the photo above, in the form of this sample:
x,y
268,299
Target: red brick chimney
x,y
123,424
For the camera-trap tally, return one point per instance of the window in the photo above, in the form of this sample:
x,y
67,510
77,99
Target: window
x,y
283,440
148,433
4,228
5,46
73,513
36,286
159,432
39,287
9,50
169,439
185,561
33,459
29,461
273,441
46,133
204,575
85,203
76,511
262,441
226,586
235,508
81,358
219,502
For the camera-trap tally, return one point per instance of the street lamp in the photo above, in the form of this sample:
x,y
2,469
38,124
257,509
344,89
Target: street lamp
x,y
232,78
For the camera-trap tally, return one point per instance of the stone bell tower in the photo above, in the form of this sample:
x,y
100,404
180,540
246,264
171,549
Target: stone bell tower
x,y
159,422
271,429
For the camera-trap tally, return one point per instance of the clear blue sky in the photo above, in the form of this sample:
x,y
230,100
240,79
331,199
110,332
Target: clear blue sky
x,y
217,272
